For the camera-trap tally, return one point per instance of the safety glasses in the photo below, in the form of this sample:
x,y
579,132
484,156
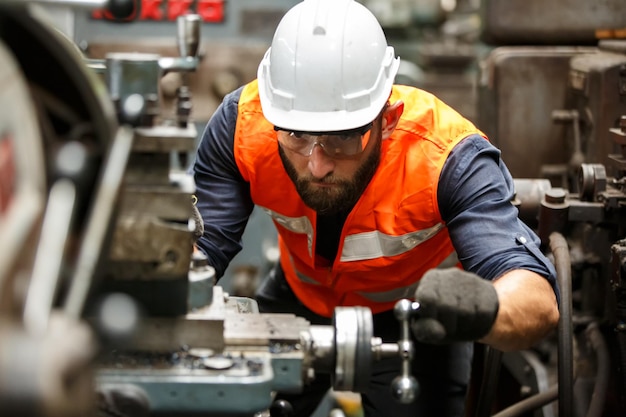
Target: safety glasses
x,y
341,144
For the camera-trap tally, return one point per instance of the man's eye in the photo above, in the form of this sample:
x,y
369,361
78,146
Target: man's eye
x,y
347,137
297,135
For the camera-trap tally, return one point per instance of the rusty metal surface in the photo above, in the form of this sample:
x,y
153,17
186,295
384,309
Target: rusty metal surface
x,y
564,22
260,329
150,248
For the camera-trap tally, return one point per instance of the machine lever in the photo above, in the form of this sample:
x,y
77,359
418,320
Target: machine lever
x,y
405,387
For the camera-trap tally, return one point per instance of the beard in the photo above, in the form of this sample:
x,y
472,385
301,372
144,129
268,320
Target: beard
x,y
343,195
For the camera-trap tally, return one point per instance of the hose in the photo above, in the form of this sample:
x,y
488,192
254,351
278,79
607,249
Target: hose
x,y
560,249
621,340
598,344
491,371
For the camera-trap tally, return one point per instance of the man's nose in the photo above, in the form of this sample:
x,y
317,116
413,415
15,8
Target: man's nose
x,y
320,164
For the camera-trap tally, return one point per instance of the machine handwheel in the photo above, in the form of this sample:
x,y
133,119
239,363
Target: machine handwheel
x,y
353,343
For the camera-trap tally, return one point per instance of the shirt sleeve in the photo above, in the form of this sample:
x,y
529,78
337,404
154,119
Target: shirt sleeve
x,y
224,200
474,196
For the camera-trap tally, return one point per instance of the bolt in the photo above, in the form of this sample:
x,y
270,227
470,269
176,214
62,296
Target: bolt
x,y
555,196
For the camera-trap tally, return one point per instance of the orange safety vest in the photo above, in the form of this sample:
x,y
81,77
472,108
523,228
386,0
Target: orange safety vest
x,y
392,236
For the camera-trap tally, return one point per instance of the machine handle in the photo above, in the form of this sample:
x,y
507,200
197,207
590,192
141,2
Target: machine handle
x,y
405,387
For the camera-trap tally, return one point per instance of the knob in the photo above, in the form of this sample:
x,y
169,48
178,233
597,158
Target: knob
x,y
281,408
404,389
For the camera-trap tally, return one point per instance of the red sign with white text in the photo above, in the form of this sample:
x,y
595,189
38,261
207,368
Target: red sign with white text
x,y
210,11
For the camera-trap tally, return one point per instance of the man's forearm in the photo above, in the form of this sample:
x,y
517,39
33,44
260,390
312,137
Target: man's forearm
x,y
528,311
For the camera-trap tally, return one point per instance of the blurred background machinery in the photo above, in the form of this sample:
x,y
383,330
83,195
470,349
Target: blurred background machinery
x,y
106,310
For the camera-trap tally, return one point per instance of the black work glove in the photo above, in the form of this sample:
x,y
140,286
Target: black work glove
x,y
455,305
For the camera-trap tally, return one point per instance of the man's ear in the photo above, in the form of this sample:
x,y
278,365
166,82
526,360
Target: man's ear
x,y
391,117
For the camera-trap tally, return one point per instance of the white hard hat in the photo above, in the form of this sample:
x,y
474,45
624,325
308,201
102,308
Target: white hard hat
x,y
329,68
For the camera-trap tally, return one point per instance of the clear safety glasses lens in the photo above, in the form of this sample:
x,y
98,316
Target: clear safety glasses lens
x,y
336,144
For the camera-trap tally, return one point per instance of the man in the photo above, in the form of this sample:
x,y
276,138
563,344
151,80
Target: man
x,y
374,189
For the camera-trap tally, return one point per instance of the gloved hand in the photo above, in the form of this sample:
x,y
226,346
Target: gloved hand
x,y
455,305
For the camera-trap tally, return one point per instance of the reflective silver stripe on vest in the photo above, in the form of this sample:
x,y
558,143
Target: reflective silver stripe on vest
x,y
304,278
409,290
294,224
372,245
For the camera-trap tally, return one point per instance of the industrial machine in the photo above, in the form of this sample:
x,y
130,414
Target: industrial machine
x,y
552,98
106,309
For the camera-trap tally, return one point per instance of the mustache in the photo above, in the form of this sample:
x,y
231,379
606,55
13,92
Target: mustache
x,y
328,179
